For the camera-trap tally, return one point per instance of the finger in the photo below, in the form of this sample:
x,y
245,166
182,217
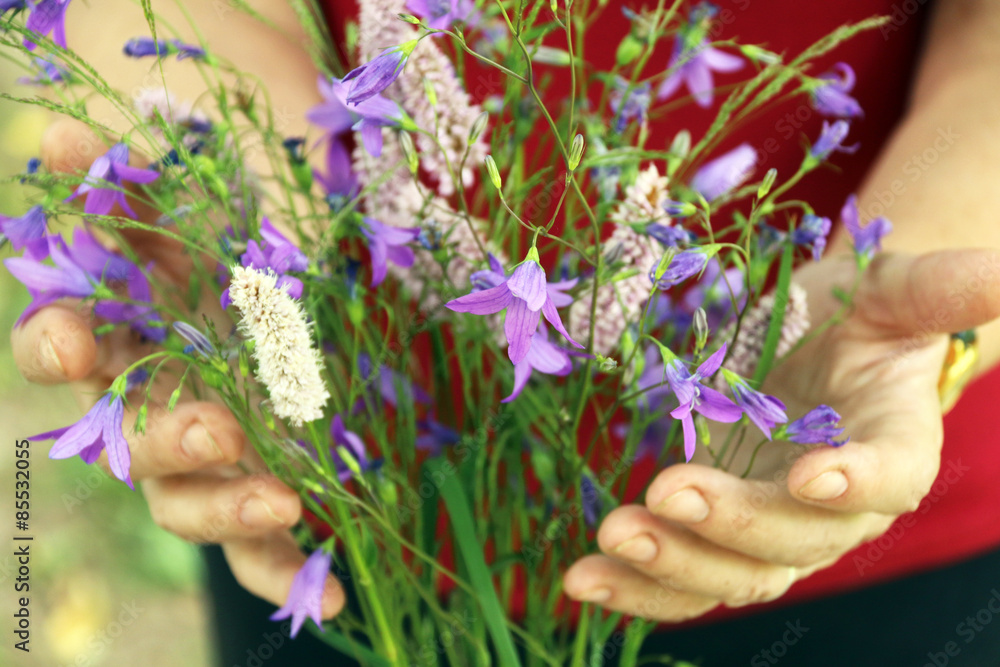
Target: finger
x,y
207,508
942,292
614,585
666,552
757,517
55,345
193,436
266,566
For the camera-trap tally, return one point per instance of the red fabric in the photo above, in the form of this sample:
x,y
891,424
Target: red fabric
x,y
955,521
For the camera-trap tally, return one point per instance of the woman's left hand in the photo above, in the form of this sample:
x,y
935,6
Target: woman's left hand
x,y
707,537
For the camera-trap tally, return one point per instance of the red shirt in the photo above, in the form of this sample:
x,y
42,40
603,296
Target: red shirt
x,y
956,520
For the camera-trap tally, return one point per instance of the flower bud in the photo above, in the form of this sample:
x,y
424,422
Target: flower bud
x,y
576,152
409,151
478,126
409,18
767,183
430,92
700,328
491,169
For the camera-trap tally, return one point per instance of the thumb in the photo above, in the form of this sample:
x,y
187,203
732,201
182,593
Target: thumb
x,y
939,292
69,146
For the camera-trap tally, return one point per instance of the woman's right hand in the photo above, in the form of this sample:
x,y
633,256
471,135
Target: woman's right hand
x,y
186,457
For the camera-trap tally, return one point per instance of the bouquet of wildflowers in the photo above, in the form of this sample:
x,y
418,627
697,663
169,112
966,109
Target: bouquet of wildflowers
x,y
457,325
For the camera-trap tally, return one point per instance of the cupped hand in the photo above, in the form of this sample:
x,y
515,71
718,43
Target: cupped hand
x,y
186,458
706,537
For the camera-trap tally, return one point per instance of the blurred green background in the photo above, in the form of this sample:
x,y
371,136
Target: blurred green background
x,y
108,587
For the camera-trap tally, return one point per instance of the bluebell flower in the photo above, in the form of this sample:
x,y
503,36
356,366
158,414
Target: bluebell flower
x,y
812,233
48,284
367,117
141,47
763,410
543,357
496,275
99,430
682,266
832,139
725,173
386,380
693,60
868,239
693,396
830,93
524,297
47,16
339,179
106,179
440,14
199,341
388,244
12,5
376,75
139,314
305,598
26,233
632,106
436,437
47,73
279,255
670,236
352,443
818,426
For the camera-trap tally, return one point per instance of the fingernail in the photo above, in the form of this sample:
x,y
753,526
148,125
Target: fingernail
x,y
687,506
255,513
50,360
199,445
827,486
641,549
595,595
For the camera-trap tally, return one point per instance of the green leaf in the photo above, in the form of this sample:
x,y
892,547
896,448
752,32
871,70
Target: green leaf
x,y
471,553
777,316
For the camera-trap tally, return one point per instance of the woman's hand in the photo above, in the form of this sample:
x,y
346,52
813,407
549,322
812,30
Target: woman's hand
x,y
705,536
186,458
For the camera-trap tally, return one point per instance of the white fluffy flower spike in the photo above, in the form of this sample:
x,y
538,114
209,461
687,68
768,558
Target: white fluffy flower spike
x,y
287,363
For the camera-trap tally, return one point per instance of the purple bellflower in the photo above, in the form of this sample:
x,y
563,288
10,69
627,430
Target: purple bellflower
x,y
629,105
440,14
387,380
350,441
725,173
376,75
48,284
139,314
368,116
867,239
279,255
524,296
812,233
140,47
693,396
543,357
437,437
763,410
305,599
199,342
682,266
99,430
693,60
47,74
832,139
496,275
47,16
102,264
818,426
387,244
339,180
590,500
11,5
112,169
27,233
830,93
